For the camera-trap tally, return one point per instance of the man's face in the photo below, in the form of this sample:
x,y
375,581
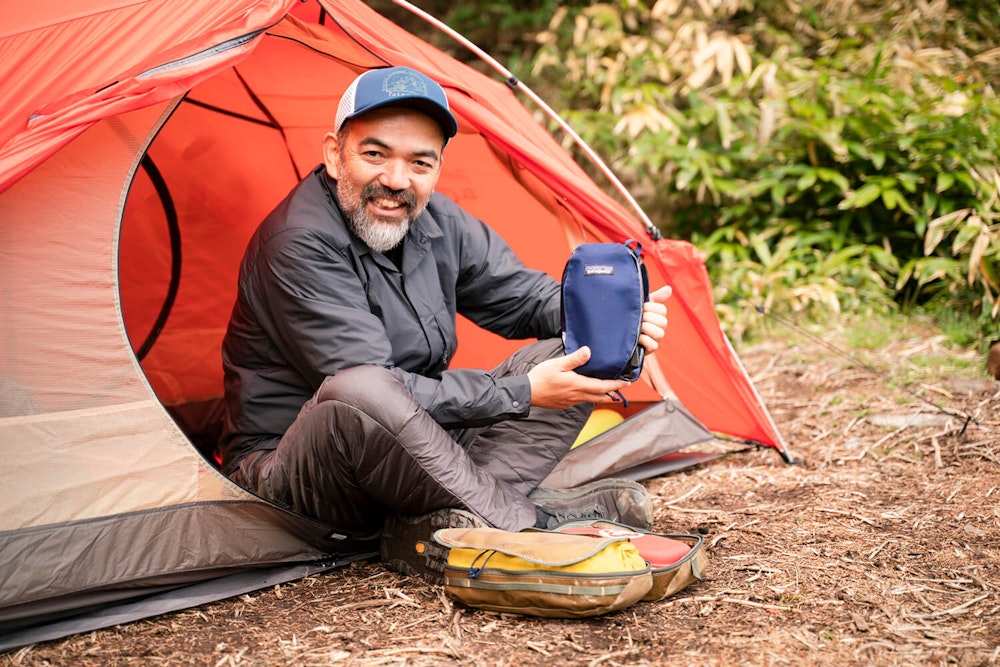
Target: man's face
x,y
386,169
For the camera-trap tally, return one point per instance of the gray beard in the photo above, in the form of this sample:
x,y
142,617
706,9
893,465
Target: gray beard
x,y
379,236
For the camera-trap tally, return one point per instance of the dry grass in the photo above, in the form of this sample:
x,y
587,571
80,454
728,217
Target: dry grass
x,y
882,548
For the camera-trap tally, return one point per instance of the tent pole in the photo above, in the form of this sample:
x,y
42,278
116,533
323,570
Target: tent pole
x,y
517,84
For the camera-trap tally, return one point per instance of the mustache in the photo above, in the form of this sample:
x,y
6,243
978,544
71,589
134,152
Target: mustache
x,y
373,190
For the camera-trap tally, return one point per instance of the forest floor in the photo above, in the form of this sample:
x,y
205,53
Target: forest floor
x,y
882,547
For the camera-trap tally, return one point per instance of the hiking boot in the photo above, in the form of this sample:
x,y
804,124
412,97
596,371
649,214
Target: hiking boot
x,y
620,500
407,545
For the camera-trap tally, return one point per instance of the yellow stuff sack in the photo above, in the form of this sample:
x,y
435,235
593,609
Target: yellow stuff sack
x,y
542,573
677,560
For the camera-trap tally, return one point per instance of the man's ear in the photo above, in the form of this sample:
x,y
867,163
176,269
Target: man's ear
x,y
331,154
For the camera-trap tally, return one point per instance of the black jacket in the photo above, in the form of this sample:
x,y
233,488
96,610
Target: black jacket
x,y
313,299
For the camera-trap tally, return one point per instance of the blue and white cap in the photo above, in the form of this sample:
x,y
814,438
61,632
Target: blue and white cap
x,y
396,87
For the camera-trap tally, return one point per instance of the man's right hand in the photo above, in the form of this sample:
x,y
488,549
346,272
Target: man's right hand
x,y
556,384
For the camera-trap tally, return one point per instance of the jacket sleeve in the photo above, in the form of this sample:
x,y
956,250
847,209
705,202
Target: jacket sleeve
x,y
496,290
314,308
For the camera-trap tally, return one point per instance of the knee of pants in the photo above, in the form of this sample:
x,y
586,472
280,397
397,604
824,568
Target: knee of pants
x,y
372,390
356,385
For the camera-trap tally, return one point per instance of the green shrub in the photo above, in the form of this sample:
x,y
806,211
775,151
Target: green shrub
x,y
830,156
844,157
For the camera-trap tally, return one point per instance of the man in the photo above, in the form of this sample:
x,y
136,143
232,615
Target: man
x,y
339,402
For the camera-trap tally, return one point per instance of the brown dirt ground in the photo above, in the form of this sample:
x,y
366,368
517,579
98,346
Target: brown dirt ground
x,y
881,548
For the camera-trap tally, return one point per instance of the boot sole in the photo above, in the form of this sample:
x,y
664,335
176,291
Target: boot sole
x,y
407,544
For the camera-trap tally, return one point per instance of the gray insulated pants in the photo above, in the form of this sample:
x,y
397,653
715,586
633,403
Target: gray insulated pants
x,y
363,447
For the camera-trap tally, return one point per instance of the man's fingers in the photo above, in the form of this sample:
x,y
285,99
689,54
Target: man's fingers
x,y
654,320
595,390
577,358
654,324
654,329
656,307
650,336
662,295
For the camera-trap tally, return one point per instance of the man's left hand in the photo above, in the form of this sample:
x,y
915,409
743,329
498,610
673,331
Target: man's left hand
x,y
654,319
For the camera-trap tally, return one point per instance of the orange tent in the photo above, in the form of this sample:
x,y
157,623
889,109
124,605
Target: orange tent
x,y
140,144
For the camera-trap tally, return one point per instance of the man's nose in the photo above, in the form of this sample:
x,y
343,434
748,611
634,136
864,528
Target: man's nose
x,y
394,175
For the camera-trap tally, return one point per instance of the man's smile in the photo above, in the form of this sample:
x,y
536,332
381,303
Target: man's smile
x,y
388,207
387,203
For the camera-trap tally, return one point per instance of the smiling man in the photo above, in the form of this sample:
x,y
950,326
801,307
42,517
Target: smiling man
x,y
398,179
339,401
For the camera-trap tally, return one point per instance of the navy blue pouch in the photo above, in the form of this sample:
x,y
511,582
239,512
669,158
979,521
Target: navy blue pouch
x,y
604,287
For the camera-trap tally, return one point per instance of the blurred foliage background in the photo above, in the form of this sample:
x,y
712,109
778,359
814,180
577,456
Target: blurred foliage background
x,y
829,156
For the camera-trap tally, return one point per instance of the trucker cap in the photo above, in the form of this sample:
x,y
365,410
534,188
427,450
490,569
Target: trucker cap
x,y
396,87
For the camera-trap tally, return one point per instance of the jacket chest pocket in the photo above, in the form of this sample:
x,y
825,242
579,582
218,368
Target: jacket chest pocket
x,y
415,319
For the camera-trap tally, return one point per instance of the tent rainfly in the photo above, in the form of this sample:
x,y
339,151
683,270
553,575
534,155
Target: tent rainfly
x,y
140,144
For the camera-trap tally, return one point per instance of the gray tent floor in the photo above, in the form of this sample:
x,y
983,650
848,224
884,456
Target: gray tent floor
x,y
175,599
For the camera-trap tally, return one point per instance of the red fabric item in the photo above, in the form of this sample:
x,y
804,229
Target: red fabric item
x,y
658,550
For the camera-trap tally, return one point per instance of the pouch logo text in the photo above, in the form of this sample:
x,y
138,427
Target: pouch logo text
x,y
598,270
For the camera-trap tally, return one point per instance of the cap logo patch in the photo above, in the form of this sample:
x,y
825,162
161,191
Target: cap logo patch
x,y
398,84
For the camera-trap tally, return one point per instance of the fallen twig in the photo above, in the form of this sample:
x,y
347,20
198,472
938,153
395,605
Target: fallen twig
x,y
693,491
954,611
748,603
414,649
611,656
828,510
367,604
422,619
878,549
535,646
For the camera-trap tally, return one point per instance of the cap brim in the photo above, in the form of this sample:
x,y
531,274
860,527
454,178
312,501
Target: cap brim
x,y
443,117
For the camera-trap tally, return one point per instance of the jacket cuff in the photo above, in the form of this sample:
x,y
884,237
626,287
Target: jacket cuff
x,y
516,391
